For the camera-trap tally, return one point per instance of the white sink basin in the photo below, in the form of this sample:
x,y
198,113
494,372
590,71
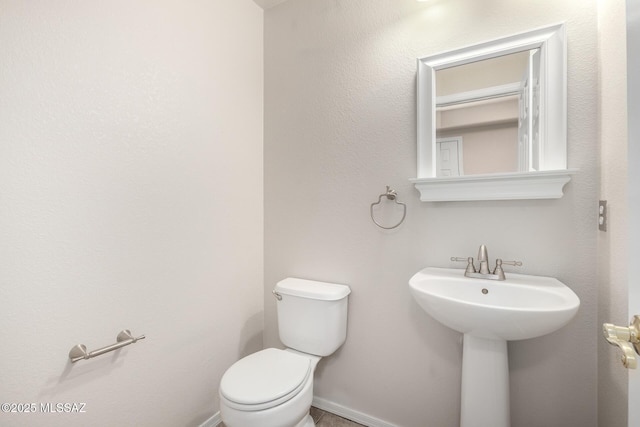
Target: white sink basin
x,y
518,308
489,313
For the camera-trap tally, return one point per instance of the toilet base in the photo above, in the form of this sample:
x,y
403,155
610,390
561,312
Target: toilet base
x,y
307,422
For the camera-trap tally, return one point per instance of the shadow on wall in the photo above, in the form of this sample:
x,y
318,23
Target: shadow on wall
x,y
251,335
78,375
327,361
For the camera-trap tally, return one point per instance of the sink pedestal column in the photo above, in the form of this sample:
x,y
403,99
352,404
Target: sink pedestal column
x,y
485,383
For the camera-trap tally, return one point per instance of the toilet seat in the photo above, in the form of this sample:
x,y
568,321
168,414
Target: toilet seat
x,y
265,379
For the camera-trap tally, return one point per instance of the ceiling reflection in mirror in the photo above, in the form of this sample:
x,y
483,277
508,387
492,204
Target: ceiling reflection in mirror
x,y
486,116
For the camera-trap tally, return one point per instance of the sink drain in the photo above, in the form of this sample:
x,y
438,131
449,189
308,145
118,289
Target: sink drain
x,y
485,291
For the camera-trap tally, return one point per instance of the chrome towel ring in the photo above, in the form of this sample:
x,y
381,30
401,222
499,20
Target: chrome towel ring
x,y
390,195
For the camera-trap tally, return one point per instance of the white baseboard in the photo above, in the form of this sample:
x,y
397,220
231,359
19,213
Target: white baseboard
x,y
214,421
349,414
325,405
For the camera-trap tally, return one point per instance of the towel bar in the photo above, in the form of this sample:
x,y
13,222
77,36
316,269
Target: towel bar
x,y
79,352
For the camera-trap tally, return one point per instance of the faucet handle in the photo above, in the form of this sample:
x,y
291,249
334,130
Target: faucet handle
x,y
469,260
515,263
498,271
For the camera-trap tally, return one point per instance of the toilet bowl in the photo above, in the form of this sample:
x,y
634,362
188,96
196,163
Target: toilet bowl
x,y
273,387
270,388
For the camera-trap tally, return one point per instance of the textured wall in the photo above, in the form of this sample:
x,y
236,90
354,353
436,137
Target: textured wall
x,y
130,197
613,245
340,125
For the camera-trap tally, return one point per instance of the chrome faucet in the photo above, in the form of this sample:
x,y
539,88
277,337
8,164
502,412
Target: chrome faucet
x,y
483,259
483,272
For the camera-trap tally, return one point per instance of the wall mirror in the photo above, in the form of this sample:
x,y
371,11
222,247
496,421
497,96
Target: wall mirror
x,y
492,119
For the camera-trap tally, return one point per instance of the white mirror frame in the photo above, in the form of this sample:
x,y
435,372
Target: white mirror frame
x,y
547,183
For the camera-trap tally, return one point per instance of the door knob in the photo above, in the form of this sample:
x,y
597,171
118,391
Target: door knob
x,y
627,339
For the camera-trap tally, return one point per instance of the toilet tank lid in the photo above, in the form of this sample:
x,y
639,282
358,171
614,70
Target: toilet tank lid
x,y
312,289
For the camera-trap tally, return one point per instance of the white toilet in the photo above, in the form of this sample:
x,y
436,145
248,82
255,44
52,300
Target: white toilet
x,y
274,388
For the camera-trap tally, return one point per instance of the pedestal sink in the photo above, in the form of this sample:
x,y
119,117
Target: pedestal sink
x,y
489,313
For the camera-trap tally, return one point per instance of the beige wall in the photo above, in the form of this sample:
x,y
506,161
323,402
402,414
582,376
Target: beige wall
x,y
489,132
612,245
490,149
130,197
340,125
482,74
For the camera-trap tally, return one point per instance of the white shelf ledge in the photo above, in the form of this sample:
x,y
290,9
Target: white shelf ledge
x,y
499,186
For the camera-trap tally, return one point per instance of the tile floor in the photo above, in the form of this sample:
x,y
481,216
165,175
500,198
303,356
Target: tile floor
x,y
327,419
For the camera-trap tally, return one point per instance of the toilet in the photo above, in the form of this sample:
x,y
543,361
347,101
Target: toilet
x,y
273,387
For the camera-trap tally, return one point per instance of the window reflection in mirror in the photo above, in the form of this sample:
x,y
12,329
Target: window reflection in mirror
x,y
487,116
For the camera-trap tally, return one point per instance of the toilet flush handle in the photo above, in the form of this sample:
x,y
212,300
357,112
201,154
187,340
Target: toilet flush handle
x,y
277,295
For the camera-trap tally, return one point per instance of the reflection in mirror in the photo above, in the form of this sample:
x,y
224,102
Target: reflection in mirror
x,y
483,115
492,119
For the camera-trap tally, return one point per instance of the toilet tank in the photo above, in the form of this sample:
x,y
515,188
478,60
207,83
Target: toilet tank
x,y
312,316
